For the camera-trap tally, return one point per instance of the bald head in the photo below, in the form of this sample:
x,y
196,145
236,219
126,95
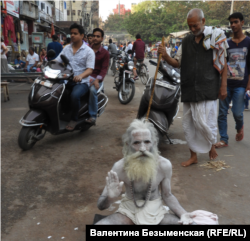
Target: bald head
x,y
195,12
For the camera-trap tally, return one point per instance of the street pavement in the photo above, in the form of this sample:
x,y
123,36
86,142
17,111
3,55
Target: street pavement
x,y
52,189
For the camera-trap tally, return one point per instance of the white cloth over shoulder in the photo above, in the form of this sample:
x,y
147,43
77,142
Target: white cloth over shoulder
x,y
200,125
215,38
152,213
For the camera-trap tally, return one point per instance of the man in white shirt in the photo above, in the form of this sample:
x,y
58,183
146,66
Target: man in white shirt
x,y
82,61
32,60
129,47
168,49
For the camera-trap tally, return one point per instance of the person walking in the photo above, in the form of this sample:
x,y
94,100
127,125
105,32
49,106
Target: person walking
x,y
238,80
113,53
200,83
56,46
139,50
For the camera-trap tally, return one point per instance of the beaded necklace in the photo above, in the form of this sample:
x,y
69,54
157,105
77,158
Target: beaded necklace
x,y
148,193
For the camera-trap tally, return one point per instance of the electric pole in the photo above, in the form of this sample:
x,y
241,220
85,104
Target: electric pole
x,y
119,7
232,7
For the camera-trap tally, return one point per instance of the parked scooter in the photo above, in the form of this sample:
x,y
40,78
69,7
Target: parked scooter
x,y
49,103
124,84
164,106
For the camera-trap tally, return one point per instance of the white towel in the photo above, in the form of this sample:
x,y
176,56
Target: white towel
x,y
216,40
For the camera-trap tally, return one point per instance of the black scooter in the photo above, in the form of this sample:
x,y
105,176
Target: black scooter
x,y
49,103
164,106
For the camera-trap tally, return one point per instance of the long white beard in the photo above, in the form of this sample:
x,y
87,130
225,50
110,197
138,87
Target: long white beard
x,y
138,167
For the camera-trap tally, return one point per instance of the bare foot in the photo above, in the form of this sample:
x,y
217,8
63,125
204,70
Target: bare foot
x,y
192,160
213,154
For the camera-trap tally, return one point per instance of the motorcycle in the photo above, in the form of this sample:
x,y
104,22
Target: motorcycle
x,y
164,106
49,103
149,55
115,64
124,84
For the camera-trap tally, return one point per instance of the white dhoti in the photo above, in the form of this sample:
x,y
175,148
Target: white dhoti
x,y
152,213
200,125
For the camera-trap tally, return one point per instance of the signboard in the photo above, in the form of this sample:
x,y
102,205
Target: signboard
x,y
37,38
13,8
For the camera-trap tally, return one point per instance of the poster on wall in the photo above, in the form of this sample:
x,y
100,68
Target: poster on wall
x,y
13,8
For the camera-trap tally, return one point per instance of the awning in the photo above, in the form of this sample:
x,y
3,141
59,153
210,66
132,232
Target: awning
x,y
179,34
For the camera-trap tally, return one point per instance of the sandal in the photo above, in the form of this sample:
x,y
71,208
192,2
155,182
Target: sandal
x,y
240,133
90,120
71,126
220,144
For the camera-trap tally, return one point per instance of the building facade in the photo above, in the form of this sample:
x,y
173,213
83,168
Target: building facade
x,y
86,13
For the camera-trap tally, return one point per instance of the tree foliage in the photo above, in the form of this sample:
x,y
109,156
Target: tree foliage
x,y
154,19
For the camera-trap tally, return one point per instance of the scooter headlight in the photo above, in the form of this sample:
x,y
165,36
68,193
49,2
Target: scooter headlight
x,y
130,65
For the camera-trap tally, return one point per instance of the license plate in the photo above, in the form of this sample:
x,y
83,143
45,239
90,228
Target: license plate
x,y
172,87
126,71
44,83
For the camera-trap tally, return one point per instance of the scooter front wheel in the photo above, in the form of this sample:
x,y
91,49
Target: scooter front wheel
x,y
126,97
26,138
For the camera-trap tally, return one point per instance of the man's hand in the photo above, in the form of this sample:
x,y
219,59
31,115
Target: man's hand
x,y
114,188
95,83
186,219
162,50
223,93
77,78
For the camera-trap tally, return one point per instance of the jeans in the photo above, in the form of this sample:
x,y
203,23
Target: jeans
x,y
237,96
77,91
247,98
29,66
93,101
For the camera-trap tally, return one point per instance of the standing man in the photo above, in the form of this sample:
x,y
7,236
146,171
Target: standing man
x,y
32,60
238,80
56,46
168,49
90,39
139,50
100,71
200,84
113,53
82,61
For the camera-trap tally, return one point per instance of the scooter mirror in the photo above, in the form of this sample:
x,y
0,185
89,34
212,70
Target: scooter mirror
x,y
64,59
51,54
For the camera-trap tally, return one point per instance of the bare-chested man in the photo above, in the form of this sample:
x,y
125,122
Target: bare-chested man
x,y
147,179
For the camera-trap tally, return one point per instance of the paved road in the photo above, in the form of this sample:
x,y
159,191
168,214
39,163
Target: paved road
x,y
53,188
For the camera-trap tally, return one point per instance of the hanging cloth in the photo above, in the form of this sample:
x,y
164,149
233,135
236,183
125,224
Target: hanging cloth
x,y
9,25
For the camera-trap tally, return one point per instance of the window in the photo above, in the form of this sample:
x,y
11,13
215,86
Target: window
x,y
80,21
73,12
47,10
68,12
42,6
79,12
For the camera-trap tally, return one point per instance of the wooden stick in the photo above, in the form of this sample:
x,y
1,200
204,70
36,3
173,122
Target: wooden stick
x,y
153,89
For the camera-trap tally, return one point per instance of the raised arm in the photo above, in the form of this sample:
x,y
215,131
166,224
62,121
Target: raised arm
x,y
173,62
170,200
111,191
